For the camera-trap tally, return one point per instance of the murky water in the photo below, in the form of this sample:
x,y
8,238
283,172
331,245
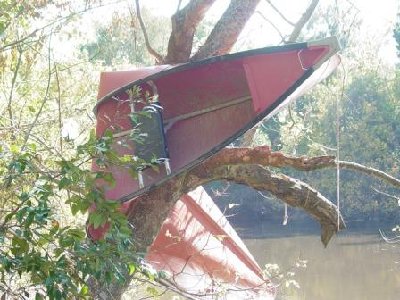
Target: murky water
x,y
354,266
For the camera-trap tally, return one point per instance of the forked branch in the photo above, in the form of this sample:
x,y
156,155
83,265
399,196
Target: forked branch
x,y
246,166
184,23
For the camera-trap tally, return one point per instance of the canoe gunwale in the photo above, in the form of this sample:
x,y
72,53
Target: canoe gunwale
x,y
333,49
191,65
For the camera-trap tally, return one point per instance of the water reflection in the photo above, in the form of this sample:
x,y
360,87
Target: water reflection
x,y
354,266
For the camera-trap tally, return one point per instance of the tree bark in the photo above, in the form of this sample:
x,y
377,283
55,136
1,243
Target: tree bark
x,y
184,24
225,33
244,166
247,166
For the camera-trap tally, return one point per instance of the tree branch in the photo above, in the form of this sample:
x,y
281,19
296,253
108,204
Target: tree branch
x,y
272,24
184,23
369,171
241,165
280,13
302,21
245,166
263,155
150,49
225,33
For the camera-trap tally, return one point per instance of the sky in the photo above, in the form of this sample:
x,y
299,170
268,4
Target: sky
x,y
378,18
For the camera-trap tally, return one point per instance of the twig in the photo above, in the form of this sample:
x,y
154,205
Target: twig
x,y
387,195
273,25
59,107
46,96
371,172
153,52
62,19
280,13
10,98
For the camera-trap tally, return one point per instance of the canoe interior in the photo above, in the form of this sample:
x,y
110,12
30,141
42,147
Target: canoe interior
x,y
231,93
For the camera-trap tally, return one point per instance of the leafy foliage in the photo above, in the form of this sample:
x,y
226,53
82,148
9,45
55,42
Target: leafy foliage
x,y
396,35
36,246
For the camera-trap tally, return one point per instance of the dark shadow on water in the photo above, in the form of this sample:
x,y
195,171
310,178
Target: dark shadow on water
x,y
274,229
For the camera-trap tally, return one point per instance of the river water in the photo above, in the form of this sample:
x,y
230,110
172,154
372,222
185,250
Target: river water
x,y
356,266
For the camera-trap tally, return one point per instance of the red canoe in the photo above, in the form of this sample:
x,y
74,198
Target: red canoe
x,y
206,105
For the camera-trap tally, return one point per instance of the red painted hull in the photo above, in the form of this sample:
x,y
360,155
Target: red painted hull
x,y
206,106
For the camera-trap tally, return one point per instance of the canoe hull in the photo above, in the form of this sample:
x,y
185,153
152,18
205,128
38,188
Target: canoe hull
x,y
207,105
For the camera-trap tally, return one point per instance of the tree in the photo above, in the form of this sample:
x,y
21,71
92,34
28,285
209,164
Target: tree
x,y
396,34
41,171
220,41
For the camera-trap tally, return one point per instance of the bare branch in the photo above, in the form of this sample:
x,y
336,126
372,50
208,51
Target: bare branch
x,y
225,33
150,49
280,13
59,107
291,191
272,24
14,78
244,165
370,172
184,24
46,96
302,21
264,156
387,195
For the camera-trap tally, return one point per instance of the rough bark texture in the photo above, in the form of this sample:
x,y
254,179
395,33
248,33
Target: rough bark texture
x,y
244,166
225,33
184,23
247,166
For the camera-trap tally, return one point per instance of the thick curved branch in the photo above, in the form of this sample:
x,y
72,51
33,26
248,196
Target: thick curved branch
x,y
225,33
291,191
245,166
263,155
241,165
150,49
184,23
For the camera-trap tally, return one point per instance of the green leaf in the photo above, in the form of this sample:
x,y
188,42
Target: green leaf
x,y
131,268
64,182
76,234
39,296
108,276
19,246
75,208
97,220
84,291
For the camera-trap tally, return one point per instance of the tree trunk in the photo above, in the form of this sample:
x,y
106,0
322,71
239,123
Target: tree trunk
x,y
225,33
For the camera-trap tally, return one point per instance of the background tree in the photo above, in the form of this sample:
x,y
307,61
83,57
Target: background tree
x,y
45,176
